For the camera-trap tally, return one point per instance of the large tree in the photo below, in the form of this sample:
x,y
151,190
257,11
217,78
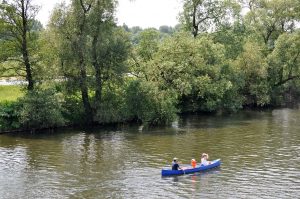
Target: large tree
x,y
78,42
270,18
92,49
203,15
284,61
101,23
70,25
18,36
251,68
190,68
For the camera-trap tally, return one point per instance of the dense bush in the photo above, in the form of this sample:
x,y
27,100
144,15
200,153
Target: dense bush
x,y
9,116
72,110
41,109
136,101
112,108
146,103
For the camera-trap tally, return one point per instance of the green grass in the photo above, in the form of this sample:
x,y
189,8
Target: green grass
x,y
10,93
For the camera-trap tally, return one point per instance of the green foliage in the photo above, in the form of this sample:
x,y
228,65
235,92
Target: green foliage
x,y
136,101
232,38
148,44
144,52
166,29
163,31
112,107
269,19
284,61
92,51
206,15
146,103
72,109
284,67
18,41
192,68
9,116
112,53
252,68
48,65
41,109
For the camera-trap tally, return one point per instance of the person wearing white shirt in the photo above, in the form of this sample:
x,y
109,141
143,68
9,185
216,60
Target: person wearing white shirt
x,y
204,158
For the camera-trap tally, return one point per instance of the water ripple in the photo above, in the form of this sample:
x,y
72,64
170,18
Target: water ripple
x,y
260,153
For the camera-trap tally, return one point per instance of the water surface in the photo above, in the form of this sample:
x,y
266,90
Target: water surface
x,y
259,153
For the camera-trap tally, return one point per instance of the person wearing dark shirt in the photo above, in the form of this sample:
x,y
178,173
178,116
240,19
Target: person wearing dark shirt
x,y
175,165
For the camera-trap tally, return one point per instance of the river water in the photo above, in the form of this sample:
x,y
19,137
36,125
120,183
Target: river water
x,y
260,153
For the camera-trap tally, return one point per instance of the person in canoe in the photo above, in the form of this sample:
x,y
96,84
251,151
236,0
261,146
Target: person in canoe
x,y
193,163
204,159
175,165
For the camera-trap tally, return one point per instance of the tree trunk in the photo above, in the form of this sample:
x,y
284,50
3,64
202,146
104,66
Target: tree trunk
x,y
95,61
83,75
29,78
97,68
98,95
85,94
195,26
25,48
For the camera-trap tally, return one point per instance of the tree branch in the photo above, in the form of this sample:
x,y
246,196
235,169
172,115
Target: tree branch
x,y
85,10
286,80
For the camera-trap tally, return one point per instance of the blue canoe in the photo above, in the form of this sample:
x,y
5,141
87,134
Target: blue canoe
x,y
188,169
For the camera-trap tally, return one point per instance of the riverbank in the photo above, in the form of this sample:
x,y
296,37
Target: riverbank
x,y
142,127
72,127
44,110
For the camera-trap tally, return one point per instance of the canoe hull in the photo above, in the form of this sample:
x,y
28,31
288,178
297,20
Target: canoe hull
x,y
168,172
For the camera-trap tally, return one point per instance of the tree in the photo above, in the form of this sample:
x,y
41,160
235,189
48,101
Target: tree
x,y
146,102
46,106
166,29
108,48
232,37
92,49
203,15
251,65
136,29
270,19
192,69
18,35
144,52
284,61
70,25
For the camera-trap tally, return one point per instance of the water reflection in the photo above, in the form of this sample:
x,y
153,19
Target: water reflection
x,y
13,165
259,153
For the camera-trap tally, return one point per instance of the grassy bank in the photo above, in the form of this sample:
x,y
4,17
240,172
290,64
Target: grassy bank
x,y
10,93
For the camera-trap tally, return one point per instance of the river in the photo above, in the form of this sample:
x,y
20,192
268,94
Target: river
x,y
260,154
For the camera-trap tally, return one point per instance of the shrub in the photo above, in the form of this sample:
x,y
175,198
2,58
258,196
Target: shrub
x,y
112,106
9,116
145,102
41,109
73,110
